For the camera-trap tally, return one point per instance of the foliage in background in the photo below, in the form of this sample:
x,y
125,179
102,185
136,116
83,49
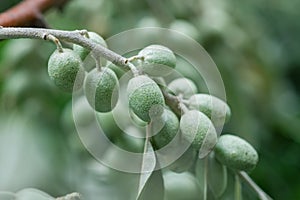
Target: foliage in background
x,y
254,44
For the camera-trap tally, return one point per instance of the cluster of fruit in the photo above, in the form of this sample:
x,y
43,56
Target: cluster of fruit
x,y
199,117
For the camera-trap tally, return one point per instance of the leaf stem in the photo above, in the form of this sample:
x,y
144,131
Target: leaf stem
x,y
261,194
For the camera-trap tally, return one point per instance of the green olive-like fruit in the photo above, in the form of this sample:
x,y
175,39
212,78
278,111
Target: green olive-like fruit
x,y
236,153
164,128
157,60
182,86
101,89
145,98
181,186
83,52
184,162
197,129
216,109
65,70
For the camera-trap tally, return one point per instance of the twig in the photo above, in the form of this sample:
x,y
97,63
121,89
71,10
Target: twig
x,y
27,11
68,36
261,194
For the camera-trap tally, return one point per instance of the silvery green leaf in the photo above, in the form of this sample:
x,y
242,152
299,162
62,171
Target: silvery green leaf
x,y
151,182
217,176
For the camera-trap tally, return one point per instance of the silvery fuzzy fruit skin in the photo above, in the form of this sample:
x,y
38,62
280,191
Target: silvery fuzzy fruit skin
x,y
184,162
216,109
65,70
236,153
101,89
158,60
83,52
167,125
179,186
182,86
197,129
145,97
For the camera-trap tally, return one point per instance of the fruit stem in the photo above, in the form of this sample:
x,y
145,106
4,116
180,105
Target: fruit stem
x,y
133,69
97,61
237,188
134,58
55,40
261,194
181,104
84,33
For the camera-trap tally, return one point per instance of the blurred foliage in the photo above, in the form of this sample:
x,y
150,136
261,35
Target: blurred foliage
x,y
255,45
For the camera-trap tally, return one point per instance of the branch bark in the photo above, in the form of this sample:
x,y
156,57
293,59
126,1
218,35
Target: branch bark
x,y
27,11
75,37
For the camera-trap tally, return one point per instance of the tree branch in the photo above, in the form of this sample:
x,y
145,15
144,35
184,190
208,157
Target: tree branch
x,y
75,37
27,11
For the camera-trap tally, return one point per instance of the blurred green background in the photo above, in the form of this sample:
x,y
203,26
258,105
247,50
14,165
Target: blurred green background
x,y
255,45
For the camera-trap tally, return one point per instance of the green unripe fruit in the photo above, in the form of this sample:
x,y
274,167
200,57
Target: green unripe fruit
x,y
145,98
216,109
101,89
83,52
236,153
164,128
184,162
181,186
131,140
157,60
108,125
182,86
197,129
65,70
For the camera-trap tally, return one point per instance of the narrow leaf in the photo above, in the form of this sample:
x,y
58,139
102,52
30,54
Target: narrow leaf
x,y
151,182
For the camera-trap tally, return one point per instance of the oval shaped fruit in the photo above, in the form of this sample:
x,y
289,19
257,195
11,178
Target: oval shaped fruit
x,y
236,153
164,128
145,98
182,86
157,60
101,89
179,186
184,162
198,130
216,109
65,70
83,52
